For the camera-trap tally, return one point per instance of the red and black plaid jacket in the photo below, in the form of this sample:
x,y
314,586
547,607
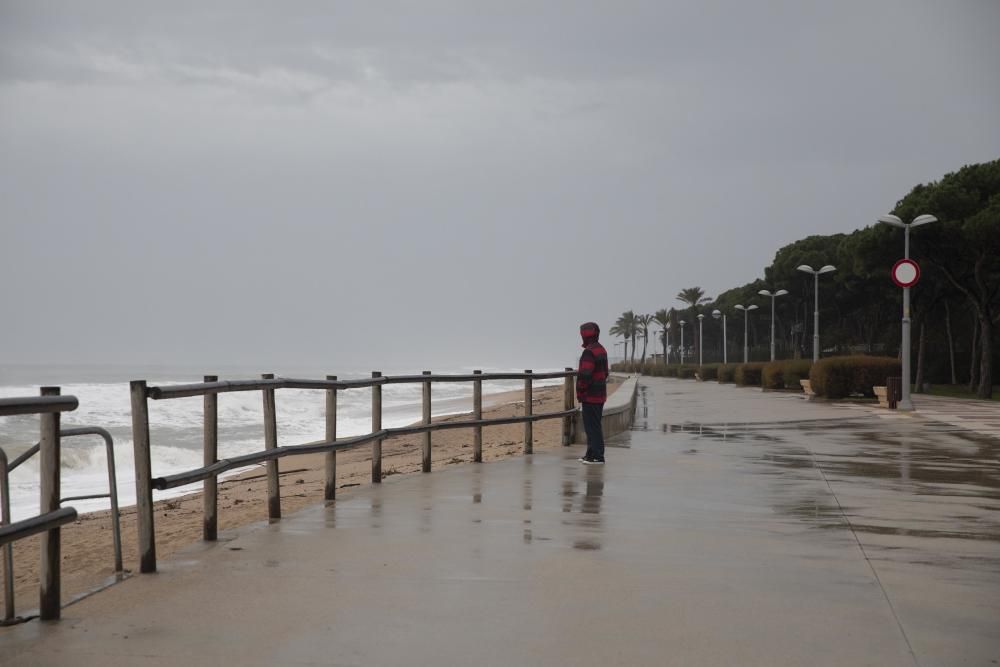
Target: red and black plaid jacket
x,y
592,377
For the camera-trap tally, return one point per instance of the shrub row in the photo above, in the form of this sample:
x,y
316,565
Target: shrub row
x,y
748,375
785,374
840,377
725,373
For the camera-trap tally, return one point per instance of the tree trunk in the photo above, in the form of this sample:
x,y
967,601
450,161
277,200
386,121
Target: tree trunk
x,y
643,360
951,341
921,349
986,357
974,356
665,347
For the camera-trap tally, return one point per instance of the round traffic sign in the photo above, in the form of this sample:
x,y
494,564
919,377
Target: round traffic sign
x,y
905,273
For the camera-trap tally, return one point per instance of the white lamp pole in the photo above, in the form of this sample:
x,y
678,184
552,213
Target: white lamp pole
x,y
906,403
773,296
725,343
808,269
746,318
682,341
701,318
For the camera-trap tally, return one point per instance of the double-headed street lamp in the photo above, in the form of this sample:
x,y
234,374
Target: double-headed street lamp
x,y
773,296
906,403
808,269
717,314
746,318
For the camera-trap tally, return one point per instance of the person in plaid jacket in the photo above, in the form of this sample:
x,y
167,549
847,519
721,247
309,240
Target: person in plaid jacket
x,y
592,391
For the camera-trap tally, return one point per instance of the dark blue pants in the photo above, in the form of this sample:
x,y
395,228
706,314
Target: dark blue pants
x,y
592,425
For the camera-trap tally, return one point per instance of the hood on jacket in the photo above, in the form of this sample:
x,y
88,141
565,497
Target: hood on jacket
x,y
589,331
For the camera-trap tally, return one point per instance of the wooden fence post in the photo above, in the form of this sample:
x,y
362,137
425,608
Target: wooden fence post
x,y
528,430
376,426
330,488
568,404
271,442
143,476
49,599
210,492
426,464
477,414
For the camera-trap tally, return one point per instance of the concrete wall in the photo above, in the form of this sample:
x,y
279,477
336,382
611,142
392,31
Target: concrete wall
x,y
619,411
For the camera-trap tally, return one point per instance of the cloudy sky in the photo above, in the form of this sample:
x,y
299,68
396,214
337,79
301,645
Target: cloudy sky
x,y
446,184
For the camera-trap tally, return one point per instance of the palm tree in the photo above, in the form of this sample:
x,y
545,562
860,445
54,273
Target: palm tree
x,y
693,297
662,317
626,327
617,330
642,324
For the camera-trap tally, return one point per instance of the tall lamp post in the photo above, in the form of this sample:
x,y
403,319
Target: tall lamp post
x,y
682,341
746,318
725,343
701,318
906,403
773,296
816,274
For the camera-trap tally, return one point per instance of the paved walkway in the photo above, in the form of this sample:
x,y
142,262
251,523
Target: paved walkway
x,y
732,527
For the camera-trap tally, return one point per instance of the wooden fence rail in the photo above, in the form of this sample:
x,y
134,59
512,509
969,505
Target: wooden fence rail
x,y
267,385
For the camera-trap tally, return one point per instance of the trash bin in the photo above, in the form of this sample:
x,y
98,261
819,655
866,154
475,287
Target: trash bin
x,y
894,391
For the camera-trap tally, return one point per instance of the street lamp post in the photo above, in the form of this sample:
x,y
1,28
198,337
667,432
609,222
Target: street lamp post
x,y
773,296
746,318
682,323
906,403
701,318
725,343
816,274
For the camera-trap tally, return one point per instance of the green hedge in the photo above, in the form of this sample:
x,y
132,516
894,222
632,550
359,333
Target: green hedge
x,y
725,373
687,372
840,377
709,372
785,374
748,375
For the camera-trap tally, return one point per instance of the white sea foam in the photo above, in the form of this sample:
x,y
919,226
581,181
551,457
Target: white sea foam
x,y
176,431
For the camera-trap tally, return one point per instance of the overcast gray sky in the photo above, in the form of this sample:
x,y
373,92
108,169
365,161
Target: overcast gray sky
x,y
444,184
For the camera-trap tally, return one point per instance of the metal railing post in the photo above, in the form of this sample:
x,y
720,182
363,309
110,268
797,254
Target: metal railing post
x,y
376,426
210,493
271,442
477,414
426,450
330,487
143,476
528,430
568,404
49,598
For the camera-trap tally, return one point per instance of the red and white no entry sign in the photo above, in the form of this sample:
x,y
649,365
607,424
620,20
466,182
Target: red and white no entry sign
x,y
905,273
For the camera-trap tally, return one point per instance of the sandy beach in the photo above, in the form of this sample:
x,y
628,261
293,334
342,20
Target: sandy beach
x,y
87,553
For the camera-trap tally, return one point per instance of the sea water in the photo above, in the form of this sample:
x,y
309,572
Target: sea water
x,y
176,425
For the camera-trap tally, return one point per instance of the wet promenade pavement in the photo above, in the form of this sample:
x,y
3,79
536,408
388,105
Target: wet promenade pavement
x,y
731,527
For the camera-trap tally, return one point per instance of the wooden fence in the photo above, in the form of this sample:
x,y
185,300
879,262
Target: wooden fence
x,y
268,385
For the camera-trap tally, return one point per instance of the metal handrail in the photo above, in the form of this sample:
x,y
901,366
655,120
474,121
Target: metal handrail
x,y
112,494
141,394
47,406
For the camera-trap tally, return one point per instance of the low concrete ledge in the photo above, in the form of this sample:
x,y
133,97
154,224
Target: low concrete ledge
x,y
619,412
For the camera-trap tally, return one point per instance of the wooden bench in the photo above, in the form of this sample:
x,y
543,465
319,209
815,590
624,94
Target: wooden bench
x,y
882,394
807,388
